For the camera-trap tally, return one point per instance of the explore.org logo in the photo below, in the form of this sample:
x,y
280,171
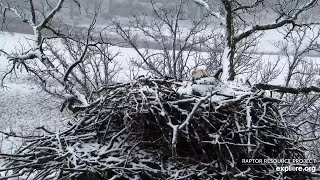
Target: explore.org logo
x,y
285,165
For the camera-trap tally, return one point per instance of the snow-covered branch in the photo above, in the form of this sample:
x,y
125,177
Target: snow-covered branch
x,y
14,10
281,23
232,16
213,13
54,11
291,90
247,7
194,109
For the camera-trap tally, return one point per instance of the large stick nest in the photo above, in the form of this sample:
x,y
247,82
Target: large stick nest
x,y
162,129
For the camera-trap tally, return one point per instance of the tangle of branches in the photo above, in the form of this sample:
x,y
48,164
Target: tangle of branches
x,y
163,129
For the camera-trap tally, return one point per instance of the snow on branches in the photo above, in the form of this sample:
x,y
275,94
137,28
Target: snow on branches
x,y
163,129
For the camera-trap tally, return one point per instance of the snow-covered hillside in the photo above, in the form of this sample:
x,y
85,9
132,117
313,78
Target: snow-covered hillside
x,y
23,106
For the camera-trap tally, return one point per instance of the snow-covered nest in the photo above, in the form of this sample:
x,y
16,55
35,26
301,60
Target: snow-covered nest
x,y
163,129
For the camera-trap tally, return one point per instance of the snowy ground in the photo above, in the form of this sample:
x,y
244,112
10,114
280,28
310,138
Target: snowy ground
x,y
23,107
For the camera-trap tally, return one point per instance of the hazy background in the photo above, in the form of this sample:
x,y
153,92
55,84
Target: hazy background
x,y
122,10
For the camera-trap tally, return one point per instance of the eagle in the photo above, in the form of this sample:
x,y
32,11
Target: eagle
x,y
198,73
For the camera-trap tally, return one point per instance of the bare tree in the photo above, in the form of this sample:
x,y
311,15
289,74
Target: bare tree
x,y
302,71
72,72
246,56
299,43
288,14
168,30
301,75
265,70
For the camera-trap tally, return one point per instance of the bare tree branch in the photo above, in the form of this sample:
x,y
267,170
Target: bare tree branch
x,y
291,90
281,23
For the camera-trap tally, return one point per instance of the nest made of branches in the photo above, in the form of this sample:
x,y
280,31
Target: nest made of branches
x,y
163,129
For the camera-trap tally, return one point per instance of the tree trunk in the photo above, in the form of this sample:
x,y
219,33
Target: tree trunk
x,y
228,73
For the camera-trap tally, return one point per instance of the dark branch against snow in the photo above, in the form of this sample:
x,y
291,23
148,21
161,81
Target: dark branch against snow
x,y
281,23
290,90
